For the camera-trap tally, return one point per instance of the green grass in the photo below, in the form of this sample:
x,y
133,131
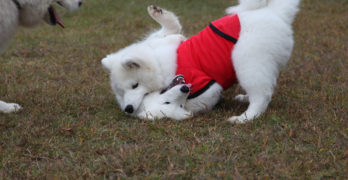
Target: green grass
x,y
71,126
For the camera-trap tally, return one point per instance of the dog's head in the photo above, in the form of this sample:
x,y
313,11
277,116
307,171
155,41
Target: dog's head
x,y
32,12
132,74
170,103
138,69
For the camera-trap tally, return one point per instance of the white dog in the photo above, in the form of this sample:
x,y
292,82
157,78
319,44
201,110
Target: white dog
x,y
27,13
258,37
168,103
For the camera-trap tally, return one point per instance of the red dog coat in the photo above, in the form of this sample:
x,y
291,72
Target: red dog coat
x,y
206,58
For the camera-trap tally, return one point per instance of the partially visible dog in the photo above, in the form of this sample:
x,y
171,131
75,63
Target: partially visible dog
x,y
263,44
27,13
168,103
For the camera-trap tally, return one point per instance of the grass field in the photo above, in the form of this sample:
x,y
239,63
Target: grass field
x,y
71,126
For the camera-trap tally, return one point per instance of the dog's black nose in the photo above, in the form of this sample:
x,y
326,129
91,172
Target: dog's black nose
x,y
80,3
129,109
185,89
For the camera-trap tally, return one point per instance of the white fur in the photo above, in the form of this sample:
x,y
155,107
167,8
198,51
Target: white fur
x,y
264,46
31,13
167,105
9,107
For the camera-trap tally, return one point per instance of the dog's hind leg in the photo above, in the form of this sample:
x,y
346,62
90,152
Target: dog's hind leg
x,y
168,20
258,80
258,105
257,76
9,107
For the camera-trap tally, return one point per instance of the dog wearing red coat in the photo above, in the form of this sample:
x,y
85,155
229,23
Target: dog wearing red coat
x,y
248,47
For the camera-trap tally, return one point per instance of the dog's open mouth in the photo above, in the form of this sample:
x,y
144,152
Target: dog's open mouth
x,y
54,18
179,79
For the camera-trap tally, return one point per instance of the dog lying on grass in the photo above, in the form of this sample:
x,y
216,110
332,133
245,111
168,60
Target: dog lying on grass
x,y
247,47
27,13
168,103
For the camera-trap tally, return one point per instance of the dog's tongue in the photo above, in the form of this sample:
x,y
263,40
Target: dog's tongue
x,y
55,16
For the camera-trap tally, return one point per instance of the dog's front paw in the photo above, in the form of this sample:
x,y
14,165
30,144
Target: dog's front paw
x,y
10,108
238,119
154,11
184,116
146,116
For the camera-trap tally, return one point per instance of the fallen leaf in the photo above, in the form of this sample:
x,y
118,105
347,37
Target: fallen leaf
x,y
67,130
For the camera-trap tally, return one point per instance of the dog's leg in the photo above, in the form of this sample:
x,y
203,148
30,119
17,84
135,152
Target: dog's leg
x,y
9,107
168,20
258,81
257,75
205,101
258,105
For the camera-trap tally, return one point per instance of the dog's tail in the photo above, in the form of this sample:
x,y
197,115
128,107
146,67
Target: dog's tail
x,y
286,9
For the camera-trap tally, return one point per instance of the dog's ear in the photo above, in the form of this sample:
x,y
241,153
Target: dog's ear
x,y
107,63
132,64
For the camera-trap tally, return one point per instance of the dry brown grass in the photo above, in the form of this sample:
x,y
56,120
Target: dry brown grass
x,y
71,126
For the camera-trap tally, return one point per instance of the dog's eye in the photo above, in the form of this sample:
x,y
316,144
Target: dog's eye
x,y
135,86
167,103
